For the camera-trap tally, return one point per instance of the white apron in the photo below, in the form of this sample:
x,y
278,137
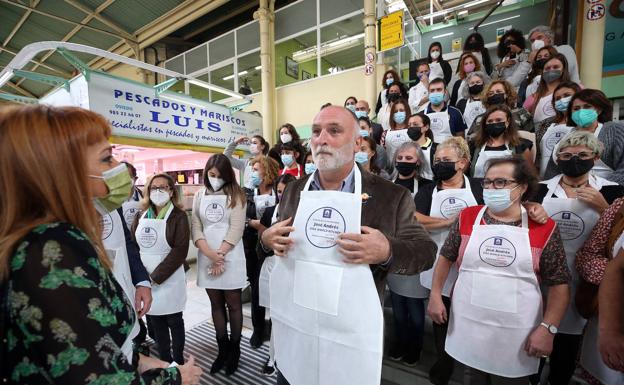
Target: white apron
x,y
472,110
327,316
262,201
551,138
440,125
575,220
114,242
130,210
544,109
415,95
446,204
264,281
170,296
435,71
591,360
214,214
484,156
496,302
394,140
426,171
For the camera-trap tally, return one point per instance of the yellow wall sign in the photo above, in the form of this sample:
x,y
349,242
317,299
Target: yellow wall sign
x,y
390,31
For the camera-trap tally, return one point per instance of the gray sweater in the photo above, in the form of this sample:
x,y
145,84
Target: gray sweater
x,y
612,136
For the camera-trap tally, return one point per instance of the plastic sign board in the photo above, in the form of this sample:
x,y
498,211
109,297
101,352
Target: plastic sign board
x,y
134,111
390,31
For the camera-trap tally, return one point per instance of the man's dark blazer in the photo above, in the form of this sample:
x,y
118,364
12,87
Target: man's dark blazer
x,y
389,209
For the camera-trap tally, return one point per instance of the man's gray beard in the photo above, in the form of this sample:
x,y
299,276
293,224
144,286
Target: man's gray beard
x,y
338,159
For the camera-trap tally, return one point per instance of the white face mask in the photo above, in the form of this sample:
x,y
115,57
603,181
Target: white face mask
x,y
537,44
435,54
159,198
253,148
216,183
286,138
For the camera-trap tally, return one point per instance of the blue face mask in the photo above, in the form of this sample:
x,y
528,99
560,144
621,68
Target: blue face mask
x,y
584,117
256,180
389,81
436,98
310,168
287,159
498,200
361,157
361,114
351,107
399,117
363,133
562,104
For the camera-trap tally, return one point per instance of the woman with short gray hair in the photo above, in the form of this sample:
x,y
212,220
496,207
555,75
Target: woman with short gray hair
x,y
574,199
470,103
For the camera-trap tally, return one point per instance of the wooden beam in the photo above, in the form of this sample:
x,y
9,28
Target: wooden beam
x,y
219,20
103,19
19,24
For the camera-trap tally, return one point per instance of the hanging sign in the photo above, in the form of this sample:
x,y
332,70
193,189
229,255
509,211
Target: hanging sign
x,y
390,31
134,111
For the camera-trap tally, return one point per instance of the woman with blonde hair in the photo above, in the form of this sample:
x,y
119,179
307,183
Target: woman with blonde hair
x,y
218,222
468,63
162,232
65,317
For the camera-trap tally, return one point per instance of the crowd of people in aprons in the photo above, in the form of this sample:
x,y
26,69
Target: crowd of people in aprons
x,y
515,169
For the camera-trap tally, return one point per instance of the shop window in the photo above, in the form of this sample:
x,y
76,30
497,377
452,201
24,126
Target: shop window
x,y
176,64
342,45
248,38
295,59
332,9
249,73
295,18
196,59
221,49
222,77
200,93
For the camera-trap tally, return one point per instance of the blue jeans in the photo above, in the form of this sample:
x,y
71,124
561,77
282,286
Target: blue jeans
x,y
409,322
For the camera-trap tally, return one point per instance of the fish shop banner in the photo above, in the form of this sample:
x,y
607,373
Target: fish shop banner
x,y
134,111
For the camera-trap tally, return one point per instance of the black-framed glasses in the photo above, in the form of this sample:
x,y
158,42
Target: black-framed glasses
x,y
583,155
498,183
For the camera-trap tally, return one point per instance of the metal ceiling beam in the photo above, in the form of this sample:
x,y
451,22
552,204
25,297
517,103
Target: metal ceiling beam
x,y
103,19
34,10
217,21
19,23
171,21
44,65
73,32
436,5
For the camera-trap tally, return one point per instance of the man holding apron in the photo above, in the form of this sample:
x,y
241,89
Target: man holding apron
x,y
332,262
446,121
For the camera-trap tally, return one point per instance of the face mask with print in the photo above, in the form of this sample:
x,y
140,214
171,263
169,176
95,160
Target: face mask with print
x,y
562,104
287,159
399,117
363,133
361,114
584,117
498,200
216,183
159,198
119,184
361,157
436,98
286,138
256,179
309,168
435,54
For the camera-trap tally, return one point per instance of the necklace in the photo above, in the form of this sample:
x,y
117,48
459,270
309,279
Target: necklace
x,y
575,185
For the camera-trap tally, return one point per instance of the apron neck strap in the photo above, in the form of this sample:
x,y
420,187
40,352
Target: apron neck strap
x,y
357,180
523,212
165,211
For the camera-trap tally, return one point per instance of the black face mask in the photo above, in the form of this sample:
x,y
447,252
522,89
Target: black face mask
x,y
444,170
496,99
473,46
393,97
494,130
475,89
414,133
540,63
405,169
575,166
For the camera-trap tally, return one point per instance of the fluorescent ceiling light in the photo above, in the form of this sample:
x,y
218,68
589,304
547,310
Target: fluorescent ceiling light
x,y
232,76
496,21
443,35
5,78
451,9
475,3
327,47
258,68
209,86
462,12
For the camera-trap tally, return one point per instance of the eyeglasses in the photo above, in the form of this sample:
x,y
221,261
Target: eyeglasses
x,y
436,161
583,155
160,188
498,183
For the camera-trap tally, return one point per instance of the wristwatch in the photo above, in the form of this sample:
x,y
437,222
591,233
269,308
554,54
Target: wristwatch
x,y
552,329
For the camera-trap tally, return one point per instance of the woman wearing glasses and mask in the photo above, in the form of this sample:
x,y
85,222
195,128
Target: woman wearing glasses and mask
x,y
574,199
498,327
162,232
